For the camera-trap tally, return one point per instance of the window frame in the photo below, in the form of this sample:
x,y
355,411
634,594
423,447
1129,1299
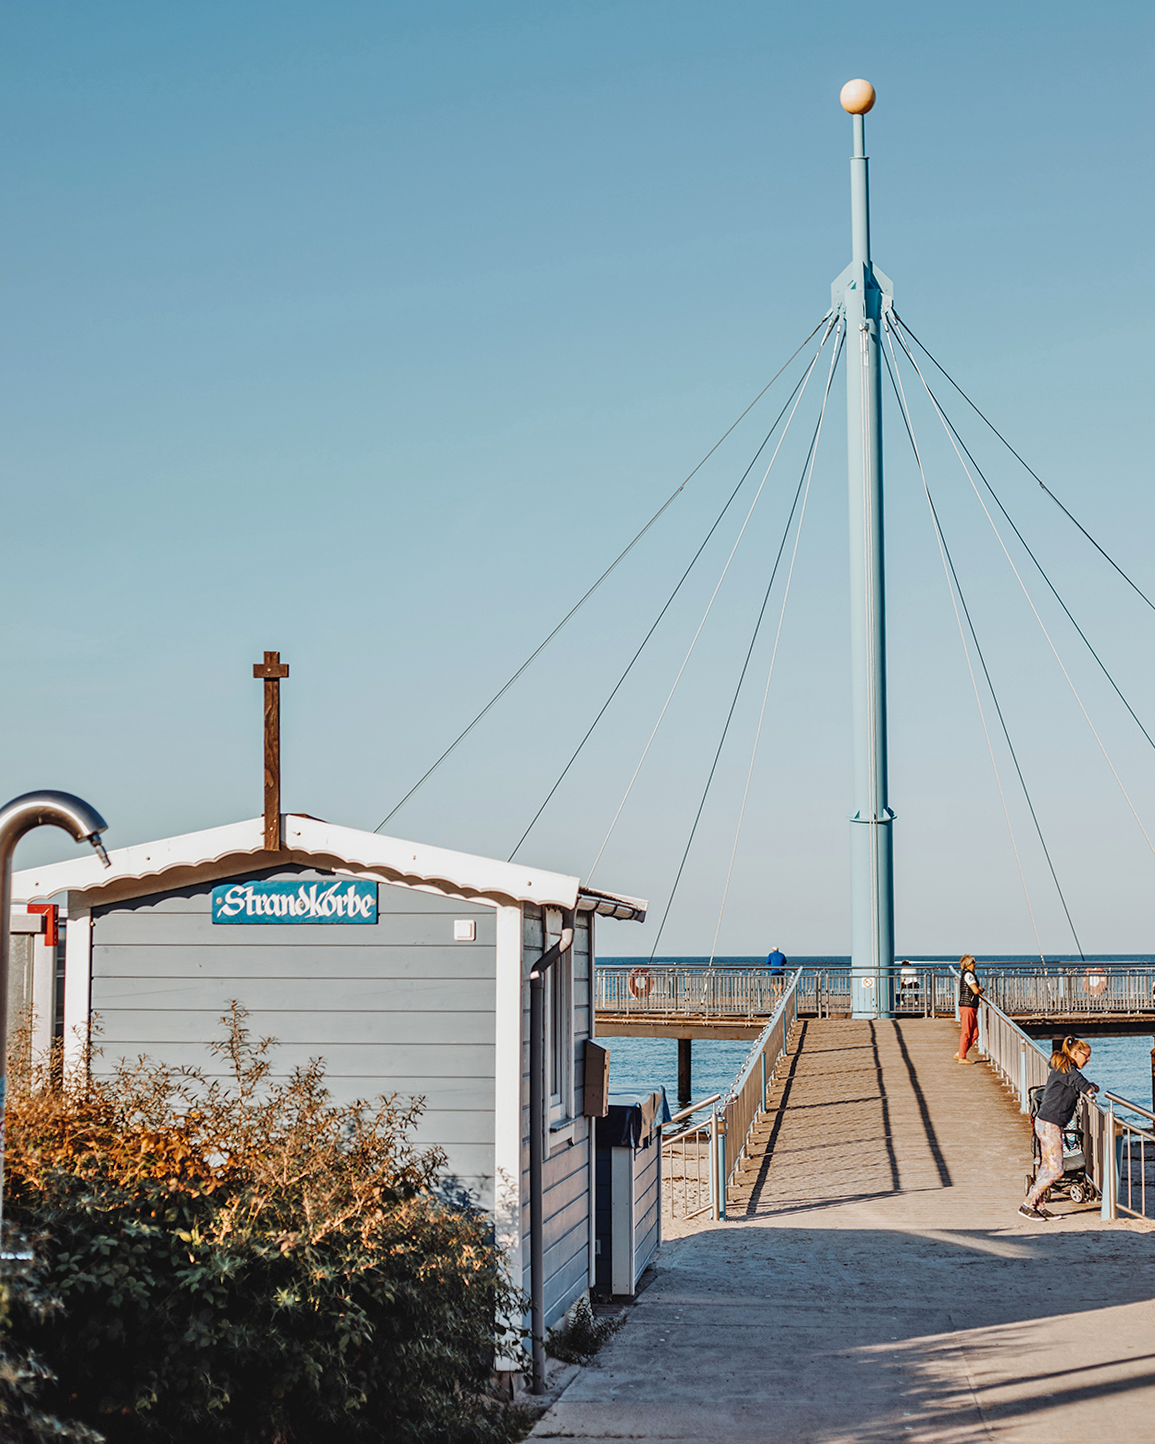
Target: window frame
x,y
559,1030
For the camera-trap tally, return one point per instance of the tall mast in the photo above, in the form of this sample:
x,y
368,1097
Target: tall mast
x,y
861,295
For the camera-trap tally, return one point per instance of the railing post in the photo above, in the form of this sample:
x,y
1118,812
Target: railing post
x,y
721,1173
1024,1102
982,1029
714,1163
762,1106
1111,1162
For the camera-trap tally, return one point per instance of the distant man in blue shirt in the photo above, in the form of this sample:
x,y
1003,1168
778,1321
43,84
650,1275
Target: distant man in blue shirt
x,y
776,962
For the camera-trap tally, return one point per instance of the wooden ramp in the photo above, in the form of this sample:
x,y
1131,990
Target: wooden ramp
x,y
861,1110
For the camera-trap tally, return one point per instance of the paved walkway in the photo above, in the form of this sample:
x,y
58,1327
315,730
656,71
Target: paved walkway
x,y
880,1284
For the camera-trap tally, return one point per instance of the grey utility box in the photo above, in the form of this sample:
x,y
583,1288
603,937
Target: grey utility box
x,y
628,1189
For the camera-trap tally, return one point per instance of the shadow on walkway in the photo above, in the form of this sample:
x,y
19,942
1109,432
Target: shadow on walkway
x,y
765,1331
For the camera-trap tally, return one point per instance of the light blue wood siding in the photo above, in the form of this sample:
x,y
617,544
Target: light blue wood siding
x,y
567,1171
394,1008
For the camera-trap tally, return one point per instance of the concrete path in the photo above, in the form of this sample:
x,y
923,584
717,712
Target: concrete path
x,y
880,1284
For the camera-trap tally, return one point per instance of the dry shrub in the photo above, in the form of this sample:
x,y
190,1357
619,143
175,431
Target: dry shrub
x,y
247,1261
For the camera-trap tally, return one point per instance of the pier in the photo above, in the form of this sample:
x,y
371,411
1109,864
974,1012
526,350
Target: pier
x,y
873,1280
687,1003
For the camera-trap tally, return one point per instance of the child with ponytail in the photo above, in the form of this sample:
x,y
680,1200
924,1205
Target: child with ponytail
x,y
1065,1082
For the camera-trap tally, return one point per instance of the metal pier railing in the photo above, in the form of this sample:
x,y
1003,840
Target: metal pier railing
x,y
746,1101
690,1162
700,1160
1132,1185
1094,991
686,992
921,990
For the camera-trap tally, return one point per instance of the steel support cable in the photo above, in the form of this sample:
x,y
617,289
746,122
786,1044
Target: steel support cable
x,y
1001,717
1038,565
1030,471
807,472
668,603
761,718
497,696
904,409
1031,604
706,613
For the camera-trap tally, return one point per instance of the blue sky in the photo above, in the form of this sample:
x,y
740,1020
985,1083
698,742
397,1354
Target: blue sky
x,y
373,332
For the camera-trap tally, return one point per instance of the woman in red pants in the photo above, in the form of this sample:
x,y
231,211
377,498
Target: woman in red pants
x,y
969,993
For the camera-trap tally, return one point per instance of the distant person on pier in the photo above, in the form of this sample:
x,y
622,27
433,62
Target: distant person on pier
x,y
776,962
1060,1099
969,993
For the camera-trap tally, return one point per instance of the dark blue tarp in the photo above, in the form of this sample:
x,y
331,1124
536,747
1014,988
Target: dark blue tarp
x,y
632,1119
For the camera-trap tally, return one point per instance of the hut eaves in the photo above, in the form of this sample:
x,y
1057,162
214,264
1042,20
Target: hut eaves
x,y
197,857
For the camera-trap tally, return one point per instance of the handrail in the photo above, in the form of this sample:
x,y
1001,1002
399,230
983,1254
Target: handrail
x,y
693,1108
746,1100
756,1047
1126,1102
689,1175
1011,1052
694,1162
1115,1140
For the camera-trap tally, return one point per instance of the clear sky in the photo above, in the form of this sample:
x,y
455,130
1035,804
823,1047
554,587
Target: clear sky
x,y
372,332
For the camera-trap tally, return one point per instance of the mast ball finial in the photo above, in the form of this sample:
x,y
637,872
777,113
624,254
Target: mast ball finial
x,y
857,97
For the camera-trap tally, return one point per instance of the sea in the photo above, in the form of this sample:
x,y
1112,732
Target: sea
x,y
640,1064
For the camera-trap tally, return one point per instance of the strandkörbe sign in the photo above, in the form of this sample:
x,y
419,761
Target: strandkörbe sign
x,y
343,901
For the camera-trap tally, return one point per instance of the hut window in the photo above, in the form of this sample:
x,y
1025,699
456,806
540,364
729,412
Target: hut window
x,y
559,1040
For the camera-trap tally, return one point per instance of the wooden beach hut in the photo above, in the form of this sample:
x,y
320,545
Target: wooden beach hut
x,y
406,967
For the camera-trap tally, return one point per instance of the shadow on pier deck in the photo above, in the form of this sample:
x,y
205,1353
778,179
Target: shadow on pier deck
x,y
874,1281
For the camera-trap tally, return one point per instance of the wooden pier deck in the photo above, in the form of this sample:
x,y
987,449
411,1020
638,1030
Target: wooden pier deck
x,y
874,1281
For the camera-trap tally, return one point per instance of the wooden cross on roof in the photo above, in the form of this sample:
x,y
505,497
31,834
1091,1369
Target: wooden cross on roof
x,y
272,669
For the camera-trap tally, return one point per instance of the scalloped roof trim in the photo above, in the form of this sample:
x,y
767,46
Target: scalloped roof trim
x,y
174,862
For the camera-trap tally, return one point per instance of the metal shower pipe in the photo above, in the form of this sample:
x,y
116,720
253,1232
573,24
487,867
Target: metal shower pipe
x,y
20,816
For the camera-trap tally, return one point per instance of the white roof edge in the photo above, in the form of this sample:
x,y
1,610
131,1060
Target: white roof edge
x,y
143,862
612,905
418,862
306,839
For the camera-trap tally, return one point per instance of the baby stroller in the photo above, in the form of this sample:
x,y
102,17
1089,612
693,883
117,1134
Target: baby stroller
x,y
1075,1183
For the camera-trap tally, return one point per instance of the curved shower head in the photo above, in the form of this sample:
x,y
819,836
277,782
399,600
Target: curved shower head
x,y
48,808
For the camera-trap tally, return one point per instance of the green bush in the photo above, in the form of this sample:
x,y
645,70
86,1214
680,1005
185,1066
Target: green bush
x,y
23,1377
581,1335
249,1263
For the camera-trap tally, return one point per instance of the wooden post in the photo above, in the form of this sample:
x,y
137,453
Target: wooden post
x,y
684,1085
1153,1078
271,670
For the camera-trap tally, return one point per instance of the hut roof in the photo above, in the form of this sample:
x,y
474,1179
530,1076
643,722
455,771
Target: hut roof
x,y
197,857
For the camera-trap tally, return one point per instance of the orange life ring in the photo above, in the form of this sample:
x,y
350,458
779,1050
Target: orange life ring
x,y
640,982
1095,981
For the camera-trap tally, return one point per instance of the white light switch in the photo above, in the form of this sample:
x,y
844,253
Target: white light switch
x,y
464,930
